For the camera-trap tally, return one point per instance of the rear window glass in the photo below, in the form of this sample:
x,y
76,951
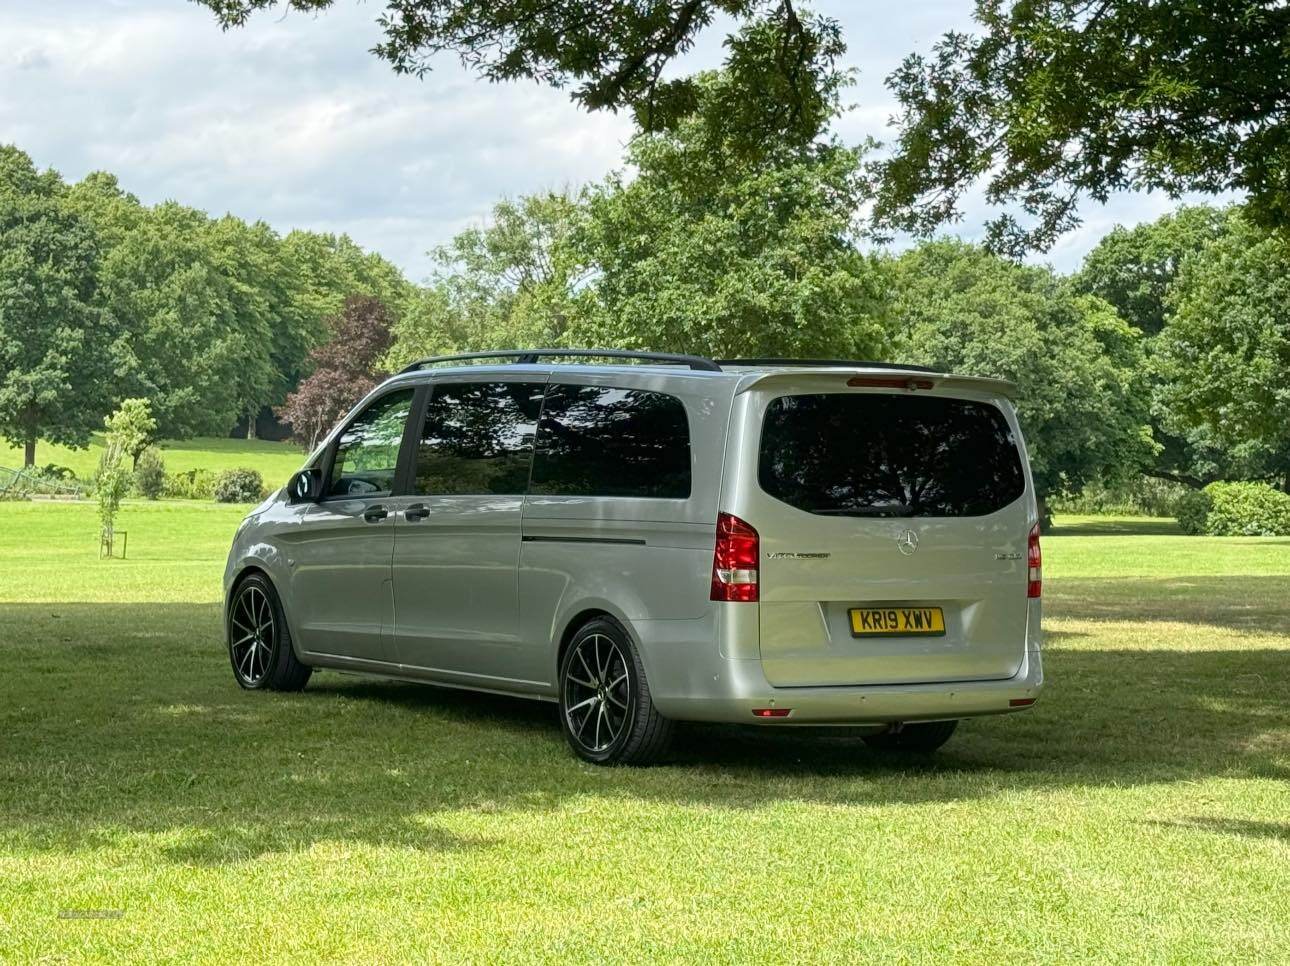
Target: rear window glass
x,y
883,455
603,441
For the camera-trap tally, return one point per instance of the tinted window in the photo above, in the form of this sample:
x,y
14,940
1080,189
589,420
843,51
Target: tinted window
x,y
597,441
367,453
478,438
881,455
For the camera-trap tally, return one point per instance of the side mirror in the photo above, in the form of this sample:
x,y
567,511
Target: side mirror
x,y
305,486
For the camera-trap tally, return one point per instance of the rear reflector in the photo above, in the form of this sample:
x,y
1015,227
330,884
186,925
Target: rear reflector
x,y
772,712
1034,564
889,382
734,560
1020,702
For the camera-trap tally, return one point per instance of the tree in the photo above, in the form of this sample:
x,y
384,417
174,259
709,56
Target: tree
x,y
112,481
614,52
132,428
750,252
1224,353
54,342
516,280
274,338
186,347
1055,101
1073,359
1137,270
345,370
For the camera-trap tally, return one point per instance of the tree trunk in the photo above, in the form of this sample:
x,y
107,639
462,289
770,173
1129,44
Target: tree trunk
x,y
29,453
1045,516
250,424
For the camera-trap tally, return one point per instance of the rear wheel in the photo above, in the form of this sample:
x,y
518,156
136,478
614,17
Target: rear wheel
x,y
259,643
605,706
921,738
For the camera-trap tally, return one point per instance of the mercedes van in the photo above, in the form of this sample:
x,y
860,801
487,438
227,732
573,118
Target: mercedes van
x,y
645,539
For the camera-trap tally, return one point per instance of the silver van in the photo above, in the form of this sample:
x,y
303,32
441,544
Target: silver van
x,y
647,539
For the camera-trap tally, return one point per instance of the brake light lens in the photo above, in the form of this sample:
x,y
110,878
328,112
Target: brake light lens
x,y
889,382
1034,564
734,561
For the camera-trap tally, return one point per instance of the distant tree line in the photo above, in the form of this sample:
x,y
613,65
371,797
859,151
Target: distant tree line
x,y
104,299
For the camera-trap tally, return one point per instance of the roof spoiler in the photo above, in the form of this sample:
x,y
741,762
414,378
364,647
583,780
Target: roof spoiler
x,y
911,379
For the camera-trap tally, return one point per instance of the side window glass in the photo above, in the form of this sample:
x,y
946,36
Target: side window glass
x,y
478,438
602,441
367,453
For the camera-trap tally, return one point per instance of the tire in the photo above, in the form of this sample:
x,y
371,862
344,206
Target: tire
x,y
259,642
606,711
919,739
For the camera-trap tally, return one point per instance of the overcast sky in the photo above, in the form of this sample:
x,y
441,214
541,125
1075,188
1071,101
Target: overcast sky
x,y
291,120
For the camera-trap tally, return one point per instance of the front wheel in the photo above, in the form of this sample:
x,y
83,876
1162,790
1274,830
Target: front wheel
x,y
259,643
606,711
922,738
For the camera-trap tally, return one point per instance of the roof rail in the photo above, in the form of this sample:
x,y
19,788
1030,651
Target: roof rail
x,y
531,356
848,363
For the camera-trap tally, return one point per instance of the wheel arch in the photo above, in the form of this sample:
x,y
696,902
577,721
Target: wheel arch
x,y
250,568
583,616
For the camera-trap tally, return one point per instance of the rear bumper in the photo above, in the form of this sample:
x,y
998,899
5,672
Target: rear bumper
x,y
692,680
743,688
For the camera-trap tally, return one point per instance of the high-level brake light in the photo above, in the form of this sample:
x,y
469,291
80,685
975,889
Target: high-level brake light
x,y
1034,565
772,712
734,561
889,382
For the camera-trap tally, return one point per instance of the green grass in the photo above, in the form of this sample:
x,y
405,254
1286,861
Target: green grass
x,y
1140,812
275,461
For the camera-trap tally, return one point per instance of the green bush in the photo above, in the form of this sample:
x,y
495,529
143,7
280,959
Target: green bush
x,y
190,485
150,474
57,473
1247,510
1141,496
1192,510
241,485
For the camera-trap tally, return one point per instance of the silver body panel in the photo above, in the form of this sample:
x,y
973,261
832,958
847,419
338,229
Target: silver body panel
x,y
482,592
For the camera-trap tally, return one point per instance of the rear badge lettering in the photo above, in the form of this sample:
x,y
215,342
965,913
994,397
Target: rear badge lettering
x,y
779,555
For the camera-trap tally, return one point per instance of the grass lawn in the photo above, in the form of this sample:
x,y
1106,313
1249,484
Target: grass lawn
x,y
275,461
1141,811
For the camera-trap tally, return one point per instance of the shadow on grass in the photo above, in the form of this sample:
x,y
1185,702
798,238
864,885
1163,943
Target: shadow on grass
x,y
1244,603
1117,527
124,728
1233,826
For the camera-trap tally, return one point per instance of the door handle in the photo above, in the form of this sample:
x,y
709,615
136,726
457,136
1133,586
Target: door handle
x,y
374,514
417,511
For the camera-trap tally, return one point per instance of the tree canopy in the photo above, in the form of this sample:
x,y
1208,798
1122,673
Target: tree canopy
x,y
1058,101
614,54
705,250
103,298
345,369
1224,353
1073,359
56,345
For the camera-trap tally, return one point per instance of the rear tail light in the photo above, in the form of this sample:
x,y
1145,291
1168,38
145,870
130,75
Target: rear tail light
x,y
734,561
1034,564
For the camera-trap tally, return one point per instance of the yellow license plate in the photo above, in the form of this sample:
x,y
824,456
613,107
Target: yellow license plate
x,y
897,621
